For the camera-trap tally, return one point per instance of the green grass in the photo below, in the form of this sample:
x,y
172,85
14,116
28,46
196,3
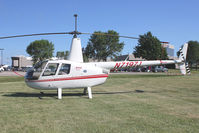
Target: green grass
x,y
124,104
11,79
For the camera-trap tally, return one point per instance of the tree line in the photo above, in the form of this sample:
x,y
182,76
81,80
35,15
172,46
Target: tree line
x,y
100,47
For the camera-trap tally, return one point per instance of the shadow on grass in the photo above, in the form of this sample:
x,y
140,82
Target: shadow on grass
x,y
39,95
77,94
120,92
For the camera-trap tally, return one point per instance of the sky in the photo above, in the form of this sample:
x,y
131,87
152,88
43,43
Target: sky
x,y
174,21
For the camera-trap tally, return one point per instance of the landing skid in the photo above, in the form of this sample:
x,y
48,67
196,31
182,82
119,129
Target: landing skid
x,y
59,92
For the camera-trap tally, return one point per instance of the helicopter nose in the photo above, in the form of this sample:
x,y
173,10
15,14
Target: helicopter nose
x,y
32,84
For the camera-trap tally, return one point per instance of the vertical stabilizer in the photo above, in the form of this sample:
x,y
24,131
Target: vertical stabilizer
x,y
184,68
183,52
76,50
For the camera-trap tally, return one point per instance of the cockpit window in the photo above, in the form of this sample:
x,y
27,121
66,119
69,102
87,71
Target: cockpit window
x,y
40,66
35,72
51,69
64,69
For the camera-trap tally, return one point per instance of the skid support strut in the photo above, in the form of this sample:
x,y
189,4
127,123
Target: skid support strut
x,y
89,92
59,91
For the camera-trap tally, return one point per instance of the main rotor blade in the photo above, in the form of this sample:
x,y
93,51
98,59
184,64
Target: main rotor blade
x,y
39,34
72,33
104,34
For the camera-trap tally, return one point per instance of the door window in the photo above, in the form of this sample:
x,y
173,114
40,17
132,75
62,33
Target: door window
x,y
51,69
64,69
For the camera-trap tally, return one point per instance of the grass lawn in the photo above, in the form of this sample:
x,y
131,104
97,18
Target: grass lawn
x,y
124,104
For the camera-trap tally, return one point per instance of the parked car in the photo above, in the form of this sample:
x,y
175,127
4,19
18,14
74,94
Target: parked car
x,y
146,69
1,69
9,68
6,67
136,69
25,69
159,69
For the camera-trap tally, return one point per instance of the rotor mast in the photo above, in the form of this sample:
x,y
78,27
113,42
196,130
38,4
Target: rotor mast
x,y
76,48
75,32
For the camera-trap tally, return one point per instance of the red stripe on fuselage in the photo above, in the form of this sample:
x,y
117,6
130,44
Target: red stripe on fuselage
x,y
71,78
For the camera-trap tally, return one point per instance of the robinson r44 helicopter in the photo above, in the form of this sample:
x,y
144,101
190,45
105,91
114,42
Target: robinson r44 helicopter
x,y
74,73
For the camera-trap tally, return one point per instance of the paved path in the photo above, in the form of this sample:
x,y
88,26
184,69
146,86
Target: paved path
x,y
11,73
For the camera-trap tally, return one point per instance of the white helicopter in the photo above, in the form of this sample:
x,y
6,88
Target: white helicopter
x,y
74,73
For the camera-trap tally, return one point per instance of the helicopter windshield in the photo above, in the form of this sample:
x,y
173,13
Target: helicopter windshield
x,y
35,72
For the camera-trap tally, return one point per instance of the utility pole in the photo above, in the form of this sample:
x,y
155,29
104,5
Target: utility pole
x,y
1,55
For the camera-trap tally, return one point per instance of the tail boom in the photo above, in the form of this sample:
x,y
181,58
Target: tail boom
x,y
128,64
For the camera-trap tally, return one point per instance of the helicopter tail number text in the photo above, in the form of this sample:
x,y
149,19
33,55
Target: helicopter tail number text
x,y
127,64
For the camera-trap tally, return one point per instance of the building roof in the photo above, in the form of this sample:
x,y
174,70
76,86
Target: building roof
x,y
22,56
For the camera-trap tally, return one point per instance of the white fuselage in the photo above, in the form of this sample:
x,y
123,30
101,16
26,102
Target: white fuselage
x,y
81,75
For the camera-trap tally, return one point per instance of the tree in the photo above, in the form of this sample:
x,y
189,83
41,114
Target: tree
x,y
40,50
100,47
193,53
85,58
62,54
150,48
